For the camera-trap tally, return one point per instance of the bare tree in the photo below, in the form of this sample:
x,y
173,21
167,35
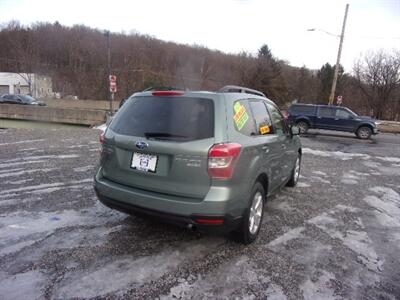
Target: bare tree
x,y
378,77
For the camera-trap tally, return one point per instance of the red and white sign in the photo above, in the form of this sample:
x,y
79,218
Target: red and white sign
x,y
339,100
113,83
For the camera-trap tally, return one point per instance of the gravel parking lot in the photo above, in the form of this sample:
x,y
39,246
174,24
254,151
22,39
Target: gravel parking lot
x,y
335,236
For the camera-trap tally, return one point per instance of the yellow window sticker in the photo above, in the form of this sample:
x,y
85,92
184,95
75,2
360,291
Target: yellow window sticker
x,y
265,130
237,106
241,116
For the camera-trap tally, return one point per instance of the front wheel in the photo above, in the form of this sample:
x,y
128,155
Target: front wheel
x,y
252,218
364,132
294,177
303,126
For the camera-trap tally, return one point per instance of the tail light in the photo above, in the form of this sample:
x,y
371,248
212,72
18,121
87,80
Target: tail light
x,y
285,114
167,93
209,221
222,159
102,138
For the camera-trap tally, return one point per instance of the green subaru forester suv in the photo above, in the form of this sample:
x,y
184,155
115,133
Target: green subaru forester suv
x,y
205,160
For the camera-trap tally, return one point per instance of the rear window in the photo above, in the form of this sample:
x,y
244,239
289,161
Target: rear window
x,y
166,118
302,109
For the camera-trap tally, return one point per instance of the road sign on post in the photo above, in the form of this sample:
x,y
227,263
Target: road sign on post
x,y
113,83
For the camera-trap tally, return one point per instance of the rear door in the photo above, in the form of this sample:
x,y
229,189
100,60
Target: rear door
x,y
326,118
270,144
161,144
286,143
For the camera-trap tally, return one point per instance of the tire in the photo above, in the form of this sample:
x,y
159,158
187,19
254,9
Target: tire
x,y
303,126
364,132
294,177
248,229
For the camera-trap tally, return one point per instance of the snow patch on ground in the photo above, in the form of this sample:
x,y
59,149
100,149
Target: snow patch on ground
x,y
128,271
302,184
359,173
290,235
335,154
319,288
22,142
320,173
347,208
28,149
356,240
10,170
389,159
319,179
15,182
283,206
28,285
232,276
15,247
12,192
84,169
372,164
19,163
25,226
349,179
386,205
15,174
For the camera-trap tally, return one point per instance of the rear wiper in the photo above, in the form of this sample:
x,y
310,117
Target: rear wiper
x,y
163,135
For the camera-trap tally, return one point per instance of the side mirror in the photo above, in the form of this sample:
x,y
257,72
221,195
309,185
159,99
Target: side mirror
x,y
294,130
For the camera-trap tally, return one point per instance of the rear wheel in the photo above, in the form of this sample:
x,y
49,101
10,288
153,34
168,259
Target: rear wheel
x,y
303,126
252,219
294,177
364,132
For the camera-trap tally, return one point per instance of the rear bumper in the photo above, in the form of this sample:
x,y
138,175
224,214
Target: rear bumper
x,y
161,207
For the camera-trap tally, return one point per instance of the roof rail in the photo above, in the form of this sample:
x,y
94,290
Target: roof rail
x,y
240,89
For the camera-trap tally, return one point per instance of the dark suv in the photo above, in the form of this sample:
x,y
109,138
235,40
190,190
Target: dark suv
x,y
203,159
339,118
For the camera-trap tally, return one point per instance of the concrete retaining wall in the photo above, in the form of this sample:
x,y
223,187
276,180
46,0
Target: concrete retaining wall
x,y
81,104
52,114
389,126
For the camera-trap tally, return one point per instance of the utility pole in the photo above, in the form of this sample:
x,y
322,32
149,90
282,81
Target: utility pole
x,y
107,33
335,76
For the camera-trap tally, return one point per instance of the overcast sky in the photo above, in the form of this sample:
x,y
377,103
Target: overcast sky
x,y
234,25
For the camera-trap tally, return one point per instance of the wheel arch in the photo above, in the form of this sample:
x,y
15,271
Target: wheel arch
x,y
303,119
263,179
365,125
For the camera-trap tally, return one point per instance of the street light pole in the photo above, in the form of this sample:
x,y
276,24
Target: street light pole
x,y
107,33
335,76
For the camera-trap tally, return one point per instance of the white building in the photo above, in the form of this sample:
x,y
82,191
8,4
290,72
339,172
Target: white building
x,y
38,86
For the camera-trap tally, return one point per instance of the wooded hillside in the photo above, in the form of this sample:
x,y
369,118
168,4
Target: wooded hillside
x,y
76,59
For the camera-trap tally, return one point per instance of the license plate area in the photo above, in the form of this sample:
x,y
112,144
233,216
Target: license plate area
x,y
144,162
